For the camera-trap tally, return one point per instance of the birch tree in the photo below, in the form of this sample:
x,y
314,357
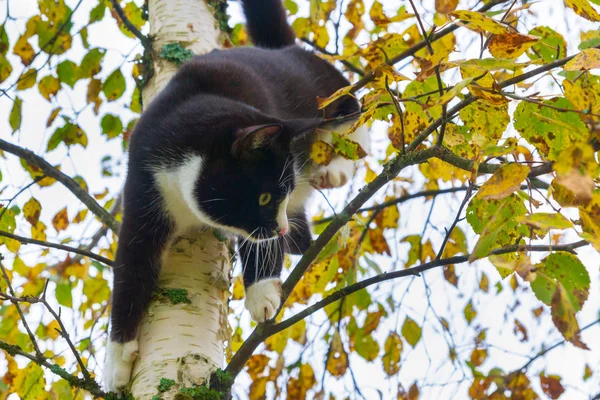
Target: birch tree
x,y
460,261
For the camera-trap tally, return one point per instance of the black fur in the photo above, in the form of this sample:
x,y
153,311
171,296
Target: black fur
x,y
247,112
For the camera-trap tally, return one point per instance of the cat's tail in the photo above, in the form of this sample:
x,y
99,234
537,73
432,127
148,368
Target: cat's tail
x,y
267,24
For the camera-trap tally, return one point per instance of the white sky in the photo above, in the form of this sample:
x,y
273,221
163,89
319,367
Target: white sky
x,y
428,362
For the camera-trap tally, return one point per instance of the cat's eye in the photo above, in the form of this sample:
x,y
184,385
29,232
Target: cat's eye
x,y
264,199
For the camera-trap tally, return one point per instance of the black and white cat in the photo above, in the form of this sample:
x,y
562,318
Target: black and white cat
x,y
226,145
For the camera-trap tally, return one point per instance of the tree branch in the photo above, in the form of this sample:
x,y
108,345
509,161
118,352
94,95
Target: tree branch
x,y
70,249
49,170
129,25
90,385
348,290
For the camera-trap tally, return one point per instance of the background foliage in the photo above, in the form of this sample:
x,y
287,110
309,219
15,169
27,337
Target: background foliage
x,y
479,254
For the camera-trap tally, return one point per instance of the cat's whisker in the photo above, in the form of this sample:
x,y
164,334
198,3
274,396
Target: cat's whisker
x,y
210,201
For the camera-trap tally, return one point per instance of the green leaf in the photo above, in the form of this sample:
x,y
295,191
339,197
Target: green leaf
x,y
83,34
550,47
64,295
67,72
495,222
5,68
91,63
135,105
97,13
4,41
134,15
16,114
411,331
347,148
111,126
548,129
469,312
366,346
114,85
69,134
566,269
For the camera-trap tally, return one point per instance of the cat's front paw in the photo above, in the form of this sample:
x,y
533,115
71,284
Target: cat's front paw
x,y
118,364
263,299
335,174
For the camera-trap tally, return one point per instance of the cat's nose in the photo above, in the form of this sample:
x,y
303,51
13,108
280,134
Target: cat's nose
x,y
282,231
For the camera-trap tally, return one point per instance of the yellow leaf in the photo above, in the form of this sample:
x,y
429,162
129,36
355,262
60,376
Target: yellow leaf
x,y
80,217
445,6
238,288
60,222
38,231
391,356
584,61
325,101
511,45
27,79
478,356
504,182
321,152
24,50
584,9
32,210
450,94
298,332
48,87
29,382
480,22
337,362
258,389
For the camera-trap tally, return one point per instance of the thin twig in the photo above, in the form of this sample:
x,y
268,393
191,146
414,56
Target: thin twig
x,y
53,172
449,232
423,31
70,249
38,352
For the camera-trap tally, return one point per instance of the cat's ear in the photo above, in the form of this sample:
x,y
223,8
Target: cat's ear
x,y
255,137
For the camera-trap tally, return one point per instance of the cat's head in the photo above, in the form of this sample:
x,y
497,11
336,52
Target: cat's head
x,y
246,191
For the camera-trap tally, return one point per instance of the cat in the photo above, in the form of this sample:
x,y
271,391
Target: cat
x,y
226,145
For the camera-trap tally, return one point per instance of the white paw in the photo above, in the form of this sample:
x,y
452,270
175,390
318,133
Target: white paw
x,y
118,364
336,174
263,299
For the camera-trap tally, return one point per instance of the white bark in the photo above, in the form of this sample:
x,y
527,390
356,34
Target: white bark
x,y
183,342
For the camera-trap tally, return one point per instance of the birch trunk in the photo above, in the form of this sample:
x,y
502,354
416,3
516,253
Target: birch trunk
x,y
184,341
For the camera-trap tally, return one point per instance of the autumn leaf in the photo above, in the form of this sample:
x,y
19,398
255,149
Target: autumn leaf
x,y
510,45
60,222
504,182
391,354
32,210
321,152
480,22
469,312
324,102
584,9
337,362
49,87
347,148
584,61
445,6
551,386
